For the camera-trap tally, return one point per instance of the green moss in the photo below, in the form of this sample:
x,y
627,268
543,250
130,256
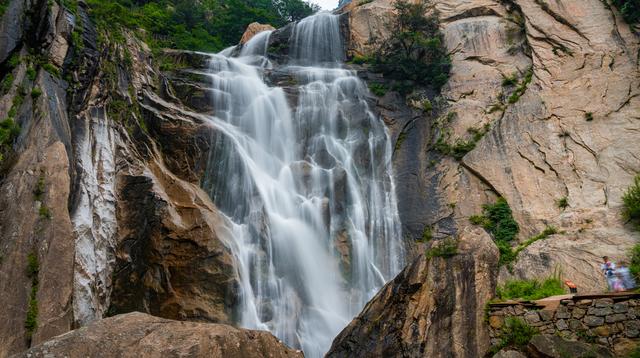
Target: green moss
x,y
359,59
444,248
426,105
401,138
530,289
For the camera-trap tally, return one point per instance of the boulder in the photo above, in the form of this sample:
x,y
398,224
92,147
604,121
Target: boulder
x,y
434,307
141,335
553,346
253,29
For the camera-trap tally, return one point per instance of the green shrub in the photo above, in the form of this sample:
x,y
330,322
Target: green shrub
x,y
36,92
363,2
588,116
630,10
563,203
631,202
522,86
31,73
462,147
427,234
38,192
426,105
498,220
415,54
378,89
516,333
6,83
444,248
530,289
548,231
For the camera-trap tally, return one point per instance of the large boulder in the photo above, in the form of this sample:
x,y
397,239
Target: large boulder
x,y
253,29
433,308
140,335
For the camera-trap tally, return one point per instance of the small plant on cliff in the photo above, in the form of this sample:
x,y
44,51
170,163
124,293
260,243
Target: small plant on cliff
x,y
530,289
498,220
445,248
563,203
634,266
378,89
631,202
31,321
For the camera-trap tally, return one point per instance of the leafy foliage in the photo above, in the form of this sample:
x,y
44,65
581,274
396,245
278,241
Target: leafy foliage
x,y
445,248
530,289
514,333
630,10
631,202
202,25
498,220
634,266
414,54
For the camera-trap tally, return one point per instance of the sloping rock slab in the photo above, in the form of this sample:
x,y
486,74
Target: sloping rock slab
x,y
141,335
550,346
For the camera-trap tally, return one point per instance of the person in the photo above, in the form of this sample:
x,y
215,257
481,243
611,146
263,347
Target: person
x,y
627,279
609,269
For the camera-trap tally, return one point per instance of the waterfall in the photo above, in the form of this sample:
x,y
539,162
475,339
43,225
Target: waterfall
x,y
303,173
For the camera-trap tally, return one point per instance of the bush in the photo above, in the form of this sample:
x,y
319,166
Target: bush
x,y
530,289
6,83
378,89
445,248
53,70
31,73
415,54
36,92
498,220
588,116
516,332
630,10
631,202
563,203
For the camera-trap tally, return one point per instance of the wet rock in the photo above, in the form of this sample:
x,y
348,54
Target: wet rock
x,y
138,334
506,353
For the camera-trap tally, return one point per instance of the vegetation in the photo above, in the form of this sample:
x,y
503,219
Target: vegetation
x,y
427,234
38,192
631,202
548,231
563,203
401,138
202,25
588,116
445,248
378,89
634,265
363,2
530,289
522,86
414,55
461,146
515,333
498,220
33,268
36,92
630,10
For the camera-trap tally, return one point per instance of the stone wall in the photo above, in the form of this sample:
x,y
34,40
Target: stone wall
x,y
610,321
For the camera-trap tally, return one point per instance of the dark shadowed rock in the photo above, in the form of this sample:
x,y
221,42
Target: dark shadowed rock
x,y
552,346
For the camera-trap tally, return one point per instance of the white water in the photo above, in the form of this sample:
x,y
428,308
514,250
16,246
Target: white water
x,y
307,185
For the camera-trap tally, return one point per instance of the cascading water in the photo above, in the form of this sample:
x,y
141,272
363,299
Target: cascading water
x,y
307,187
